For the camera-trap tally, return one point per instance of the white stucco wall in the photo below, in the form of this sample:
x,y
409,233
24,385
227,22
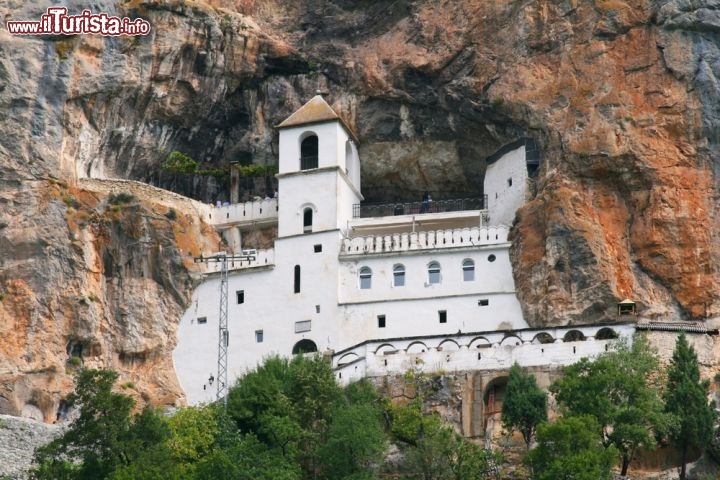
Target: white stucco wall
x,y
505,199
342,315
270,305
332,145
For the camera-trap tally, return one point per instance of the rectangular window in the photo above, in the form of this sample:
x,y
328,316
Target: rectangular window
x,y
317,248
302,326
240,295
442,316
484,302
201,320
296,286
258,336
381,321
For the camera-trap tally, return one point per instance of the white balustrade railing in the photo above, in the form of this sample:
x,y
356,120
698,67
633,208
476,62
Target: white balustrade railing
x,y
398,242
256,210
262,258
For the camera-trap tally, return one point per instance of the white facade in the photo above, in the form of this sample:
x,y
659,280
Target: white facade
x,y
334,280
506,185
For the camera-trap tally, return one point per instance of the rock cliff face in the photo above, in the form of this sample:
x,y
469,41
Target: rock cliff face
x,y
621,97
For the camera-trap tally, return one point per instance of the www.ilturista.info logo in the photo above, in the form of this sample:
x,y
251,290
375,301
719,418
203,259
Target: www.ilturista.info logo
x,y
57,22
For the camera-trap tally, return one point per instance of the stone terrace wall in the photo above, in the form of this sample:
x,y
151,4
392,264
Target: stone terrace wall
x,y
142,190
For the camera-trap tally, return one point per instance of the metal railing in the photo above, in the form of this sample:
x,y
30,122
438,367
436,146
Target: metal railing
x,y
417,208
308,161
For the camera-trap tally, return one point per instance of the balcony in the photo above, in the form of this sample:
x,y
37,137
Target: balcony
x,y
424,240
418,208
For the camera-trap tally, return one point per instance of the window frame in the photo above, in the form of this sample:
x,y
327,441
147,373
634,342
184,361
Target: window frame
x,y
365,275
296,279
308,215
468,269
399,274
434,272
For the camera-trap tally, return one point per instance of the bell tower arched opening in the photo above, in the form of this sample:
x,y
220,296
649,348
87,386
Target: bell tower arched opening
x,y
309,153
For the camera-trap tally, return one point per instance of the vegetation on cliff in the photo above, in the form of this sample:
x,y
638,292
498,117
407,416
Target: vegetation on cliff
x,y
286,420
290,420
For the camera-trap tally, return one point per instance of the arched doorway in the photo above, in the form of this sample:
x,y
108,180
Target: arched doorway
x,y
304,346
492,407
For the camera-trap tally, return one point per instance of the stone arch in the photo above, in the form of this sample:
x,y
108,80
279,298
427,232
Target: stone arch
x,y
542,338
416,347
385,347
449,345
493,395
512,340
347,358
574,336
304,346
606,333
479,342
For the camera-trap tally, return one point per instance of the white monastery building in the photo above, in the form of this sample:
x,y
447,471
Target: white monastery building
x,y
379,289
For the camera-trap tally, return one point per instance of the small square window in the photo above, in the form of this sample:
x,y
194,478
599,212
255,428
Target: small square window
x,y
258,336
484,302
201,320
381,321
317,308
510,182
240,295
302,326
317,248
442,316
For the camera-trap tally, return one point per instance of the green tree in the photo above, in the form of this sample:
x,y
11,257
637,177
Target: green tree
x,y
693,417
103,437
356,439
524,405
571,449
296,411
247,459
431,449
617,389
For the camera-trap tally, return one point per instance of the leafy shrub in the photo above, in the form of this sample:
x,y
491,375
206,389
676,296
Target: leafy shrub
x,y
121,198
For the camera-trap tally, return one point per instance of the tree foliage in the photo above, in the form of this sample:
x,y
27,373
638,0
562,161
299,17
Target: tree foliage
x,y
431,449
178,162
617,390
103,438
296,408
693,417
524,405
571,449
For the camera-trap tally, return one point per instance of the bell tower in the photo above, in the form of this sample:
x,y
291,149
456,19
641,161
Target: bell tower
x,y
319,171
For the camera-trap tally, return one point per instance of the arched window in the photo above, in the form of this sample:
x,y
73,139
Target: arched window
x,y
307,220
433,273
468,270
365,278
399,275
297,279
309,153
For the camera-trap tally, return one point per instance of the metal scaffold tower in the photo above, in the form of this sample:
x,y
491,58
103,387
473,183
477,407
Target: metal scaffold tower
x,y
222,258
